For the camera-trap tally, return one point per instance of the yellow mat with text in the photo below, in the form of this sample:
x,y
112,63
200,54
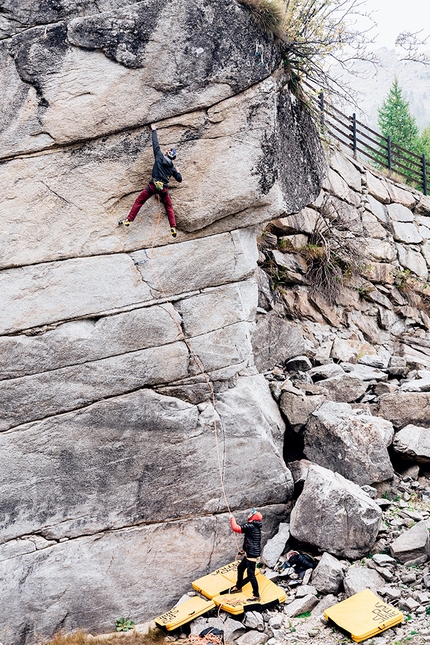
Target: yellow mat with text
x,y
363,615
184,613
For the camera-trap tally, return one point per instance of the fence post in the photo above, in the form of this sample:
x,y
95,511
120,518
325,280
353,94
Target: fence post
x,y
389,151
354,135
424,174
321,104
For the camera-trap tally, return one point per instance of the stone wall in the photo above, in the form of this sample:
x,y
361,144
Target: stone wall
x,y
110,490
381,307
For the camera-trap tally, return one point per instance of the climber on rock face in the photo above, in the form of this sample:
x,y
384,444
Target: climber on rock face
x,y
162,170
252,549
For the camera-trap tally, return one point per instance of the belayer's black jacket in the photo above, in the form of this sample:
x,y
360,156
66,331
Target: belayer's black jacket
x,y
163,167
252,532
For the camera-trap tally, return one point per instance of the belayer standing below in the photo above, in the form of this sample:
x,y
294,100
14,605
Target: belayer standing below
x,y
252,548
162,170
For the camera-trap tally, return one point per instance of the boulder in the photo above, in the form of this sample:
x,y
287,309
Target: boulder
x,y
275,340
232,629
325,603
254,620
299,470
335,515
413,442
403,408
276,545
305,589
297,241
328,575
382,559
350,443
364,372
301,606
375,360
297,409
413,544
344,388
298,364
293,266
326,371
417,385
360,578
252,637
350,350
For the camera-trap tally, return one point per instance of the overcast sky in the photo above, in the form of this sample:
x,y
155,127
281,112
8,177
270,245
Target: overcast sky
x,y
395,16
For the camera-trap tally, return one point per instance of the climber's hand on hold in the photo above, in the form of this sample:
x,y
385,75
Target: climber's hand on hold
x,y
153,127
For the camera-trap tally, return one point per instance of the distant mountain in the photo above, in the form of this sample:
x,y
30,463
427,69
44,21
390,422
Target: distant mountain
x,y
372,85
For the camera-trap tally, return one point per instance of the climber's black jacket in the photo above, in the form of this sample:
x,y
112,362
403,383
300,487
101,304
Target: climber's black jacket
x,y
163,167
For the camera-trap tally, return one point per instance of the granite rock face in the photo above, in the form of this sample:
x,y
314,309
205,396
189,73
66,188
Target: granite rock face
x,y
132,354
93,577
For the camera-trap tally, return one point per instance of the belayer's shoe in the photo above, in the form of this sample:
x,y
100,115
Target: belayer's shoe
x,y
173,231
255,599
124,222
235,590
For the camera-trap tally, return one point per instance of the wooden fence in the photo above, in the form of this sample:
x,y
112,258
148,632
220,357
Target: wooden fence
x,y
362,140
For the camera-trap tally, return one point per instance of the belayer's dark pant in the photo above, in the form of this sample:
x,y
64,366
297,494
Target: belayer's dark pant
x,y
249,566
146,194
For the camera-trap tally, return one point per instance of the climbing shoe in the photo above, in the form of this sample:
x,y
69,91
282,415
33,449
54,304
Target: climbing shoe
x,y
173,231
124,222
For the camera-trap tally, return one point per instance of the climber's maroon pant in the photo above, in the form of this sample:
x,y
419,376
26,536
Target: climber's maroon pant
x,y
146,194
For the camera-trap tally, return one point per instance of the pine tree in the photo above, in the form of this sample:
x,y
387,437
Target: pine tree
x,y
425,142
395,121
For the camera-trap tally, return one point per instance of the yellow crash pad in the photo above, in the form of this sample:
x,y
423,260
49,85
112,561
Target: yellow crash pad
x,y
184,612
270,595
218,581
363,615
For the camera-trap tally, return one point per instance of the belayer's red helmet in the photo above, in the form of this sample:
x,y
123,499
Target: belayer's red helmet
x,y
254,515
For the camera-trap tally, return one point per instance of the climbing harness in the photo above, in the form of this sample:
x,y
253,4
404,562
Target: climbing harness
x,y
196,359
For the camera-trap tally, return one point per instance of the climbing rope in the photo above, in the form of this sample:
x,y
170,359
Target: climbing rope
x,y
196,359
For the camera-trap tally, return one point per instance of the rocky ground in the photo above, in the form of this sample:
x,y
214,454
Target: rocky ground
x,y
402,581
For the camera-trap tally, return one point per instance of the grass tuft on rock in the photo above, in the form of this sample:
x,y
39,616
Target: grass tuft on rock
x,y
270,15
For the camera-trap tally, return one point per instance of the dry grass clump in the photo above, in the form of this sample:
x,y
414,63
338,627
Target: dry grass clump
x,y
270,15
124,638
